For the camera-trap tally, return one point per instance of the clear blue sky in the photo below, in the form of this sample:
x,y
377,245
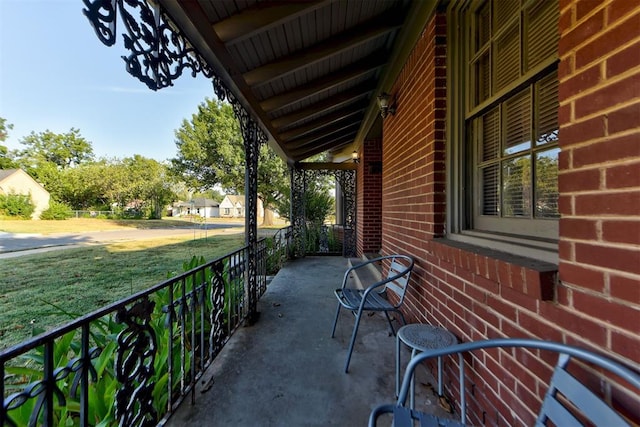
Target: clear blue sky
x,y
55,74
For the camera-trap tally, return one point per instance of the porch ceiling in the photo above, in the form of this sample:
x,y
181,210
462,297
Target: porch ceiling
x,y
308,71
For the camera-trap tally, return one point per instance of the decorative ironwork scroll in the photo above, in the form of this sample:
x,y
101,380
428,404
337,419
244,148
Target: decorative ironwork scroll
x,y
216,334
253,138
298,214
347,181
79,366
159,53
134,366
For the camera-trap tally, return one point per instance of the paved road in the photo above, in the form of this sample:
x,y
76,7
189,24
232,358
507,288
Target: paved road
x,y
12,245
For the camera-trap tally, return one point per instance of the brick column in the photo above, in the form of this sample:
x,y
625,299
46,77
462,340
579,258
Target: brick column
x,y
369,191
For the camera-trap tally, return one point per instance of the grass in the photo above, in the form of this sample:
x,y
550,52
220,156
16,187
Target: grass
x,y
79,225
82,280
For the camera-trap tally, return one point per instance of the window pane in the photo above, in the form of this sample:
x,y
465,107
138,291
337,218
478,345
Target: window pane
x,y
483,26
507,58
516,187
541,27
511,116
482,74
547,107
504,11
490,190
547,184
517,118
490,144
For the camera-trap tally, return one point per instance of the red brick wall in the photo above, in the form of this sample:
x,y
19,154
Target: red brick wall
x,y
600,176
600,168
369,182
483,294
413,178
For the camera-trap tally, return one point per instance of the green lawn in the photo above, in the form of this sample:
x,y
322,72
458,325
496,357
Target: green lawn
x,y
79,225
82,280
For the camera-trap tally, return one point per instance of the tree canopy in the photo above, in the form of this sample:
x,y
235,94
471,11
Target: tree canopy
x,y
64,164
211,153
63,150
6,160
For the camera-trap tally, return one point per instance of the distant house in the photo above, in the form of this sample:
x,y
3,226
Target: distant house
x,y
200,206
232,206
17,181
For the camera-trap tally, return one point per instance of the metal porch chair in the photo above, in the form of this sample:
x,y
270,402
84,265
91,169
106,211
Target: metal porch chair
x,y
567,401
373,297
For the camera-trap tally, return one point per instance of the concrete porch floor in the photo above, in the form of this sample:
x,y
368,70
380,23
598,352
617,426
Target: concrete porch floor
x,y
286,370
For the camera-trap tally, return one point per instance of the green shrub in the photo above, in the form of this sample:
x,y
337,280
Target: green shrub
x,y
57,210
16,205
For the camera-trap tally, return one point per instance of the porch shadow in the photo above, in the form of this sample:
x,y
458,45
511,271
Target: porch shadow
x,y
286,370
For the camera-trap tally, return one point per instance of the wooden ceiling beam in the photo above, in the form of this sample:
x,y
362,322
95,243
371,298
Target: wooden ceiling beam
x,y
261,17
326,166
323,50
324,105
330,81
339,127
322,146
323,121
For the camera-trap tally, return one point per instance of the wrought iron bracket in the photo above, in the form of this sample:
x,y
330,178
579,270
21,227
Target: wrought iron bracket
x,y
159,53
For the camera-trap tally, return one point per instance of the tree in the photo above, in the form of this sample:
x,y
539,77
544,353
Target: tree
x,y
89,186
47,154
6,160
211,152
136,182
318,201
209,146
63,150
4,129
148,182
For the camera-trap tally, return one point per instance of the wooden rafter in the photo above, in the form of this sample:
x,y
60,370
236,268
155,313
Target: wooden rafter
x,y
322,106
262,17
324,121
353,71
341,126
326,166
323,145
323,50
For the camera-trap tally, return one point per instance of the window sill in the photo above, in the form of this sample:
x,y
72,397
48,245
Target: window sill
x,y
532,277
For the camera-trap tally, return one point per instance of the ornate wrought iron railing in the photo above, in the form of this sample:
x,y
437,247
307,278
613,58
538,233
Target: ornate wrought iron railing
x,y
132,362
324,239
279,248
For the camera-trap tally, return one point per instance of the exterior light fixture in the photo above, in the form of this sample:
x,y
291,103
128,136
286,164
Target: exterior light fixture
x,y
384,104
355,157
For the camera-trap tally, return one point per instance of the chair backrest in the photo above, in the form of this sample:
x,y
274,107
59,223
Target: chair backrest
x,y
568,402
398,275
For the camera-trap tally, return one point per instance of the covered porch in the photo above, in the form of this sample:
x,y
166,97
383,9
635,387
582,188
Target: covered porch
x,y
420,109
286,370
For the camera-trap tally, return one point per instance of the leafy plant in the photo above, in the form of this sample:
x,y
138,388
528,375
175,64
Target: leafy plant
x,y
57,210
16,205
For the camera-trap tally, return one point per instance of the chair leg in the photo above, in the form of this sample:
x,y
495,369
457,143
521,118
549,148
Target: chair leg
x,y
404,321
353,340
393,331
335,322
